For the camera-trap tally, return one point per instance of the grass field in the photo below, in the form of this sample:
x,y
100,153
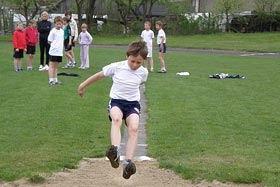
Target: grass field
x,y
202,128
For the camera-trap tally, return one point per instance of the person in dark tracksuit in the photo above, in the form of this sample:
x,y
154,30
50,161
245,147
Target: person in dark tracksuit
x,y
44,28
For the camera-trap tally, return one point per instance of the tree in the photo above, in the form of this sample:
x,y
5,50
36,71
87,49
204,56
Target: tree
x,y
228,8
147,6
30,8
266,12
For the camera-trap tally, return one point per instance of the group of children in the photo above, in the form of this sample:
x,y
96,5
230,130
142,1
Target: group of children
x,y
147,36
127,76
62,36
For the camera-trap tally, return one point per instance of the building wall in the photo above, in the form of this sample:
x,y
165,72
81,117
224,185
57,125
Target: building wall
x,y
209,5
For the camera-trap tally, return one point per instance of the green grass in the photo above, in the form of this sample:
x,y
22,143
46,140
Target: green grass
x,y
202,128
258,42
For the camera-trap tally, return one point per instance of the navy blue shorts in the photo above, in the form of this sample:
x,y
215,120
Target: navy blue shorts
x,y
127,107
163,48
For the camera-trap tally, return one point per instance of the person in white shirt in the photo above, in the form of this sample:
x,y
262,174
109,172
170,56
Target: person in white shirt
x,y
147,36
161,41
127,77
55,39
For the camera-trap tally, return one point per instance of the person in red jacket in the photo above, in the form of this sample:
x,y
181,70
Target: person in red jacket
x,y
19,43
31,35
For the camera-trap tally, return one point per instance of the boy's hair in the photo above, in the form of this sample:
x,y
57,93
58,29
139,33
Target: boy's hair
x,y
148,23
137,48
66,19
84,26
159,23
58,19
32,21
68,13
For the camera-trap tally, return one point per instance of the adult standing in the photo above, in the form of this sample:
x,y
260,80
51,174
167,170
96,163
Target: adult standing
x,y
74,34
44,28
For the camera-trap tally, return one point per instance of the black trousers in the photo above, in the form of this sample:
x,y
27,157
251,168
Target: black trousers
x,y
44,48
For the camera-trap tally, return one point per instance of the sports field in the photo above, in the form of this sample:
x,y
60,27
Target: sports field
x,y
226,130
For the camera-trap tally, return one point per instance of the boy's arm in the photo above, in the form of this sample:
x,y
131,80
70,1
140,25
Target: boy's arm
x,y
89,81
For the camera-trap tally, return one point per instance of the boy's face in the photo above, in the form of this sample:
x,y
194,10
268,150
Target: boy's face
x,y
135,62
147,26
84,29
157,27
58,25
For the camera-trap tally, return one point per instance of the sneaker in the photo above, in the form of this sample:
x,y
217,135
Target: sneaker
x,y
113,155
68,66
162,71
152,69
128,169
46,68
41,67
51,83
56,83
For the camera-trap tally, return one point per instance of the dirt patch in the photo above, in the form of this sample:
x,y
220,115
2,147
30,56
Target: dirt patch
x,y
99,173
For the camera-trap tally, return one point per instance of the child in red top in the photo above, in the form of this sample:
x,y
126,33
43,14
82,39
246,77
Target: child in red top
x,y
31,35
19,43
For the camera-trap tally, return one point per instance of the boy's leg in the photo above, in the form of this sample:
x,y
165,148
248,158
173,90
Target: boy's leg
x,y
161,61
132,122
51,71
72,54
113,151
55,70
116,123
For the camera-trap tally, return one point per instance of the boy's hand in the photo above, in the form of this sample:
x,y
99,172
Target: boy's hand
x,y
81,91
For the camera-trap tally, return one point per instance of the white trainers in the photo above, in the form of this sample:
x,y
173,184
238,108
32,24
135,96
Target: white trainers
x,y
41,67
46,68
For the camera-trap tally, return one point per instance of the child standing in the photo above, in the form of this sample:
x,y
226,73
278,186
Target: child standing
x,y
31,35
85,40
161,41
55,38
19,43
147,36
124,104
68,43
44,27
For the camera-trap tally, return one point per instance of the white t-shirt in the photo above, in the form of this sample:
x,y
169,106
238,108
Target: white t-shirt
x,y
56,37
126,82
161,34
148,37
